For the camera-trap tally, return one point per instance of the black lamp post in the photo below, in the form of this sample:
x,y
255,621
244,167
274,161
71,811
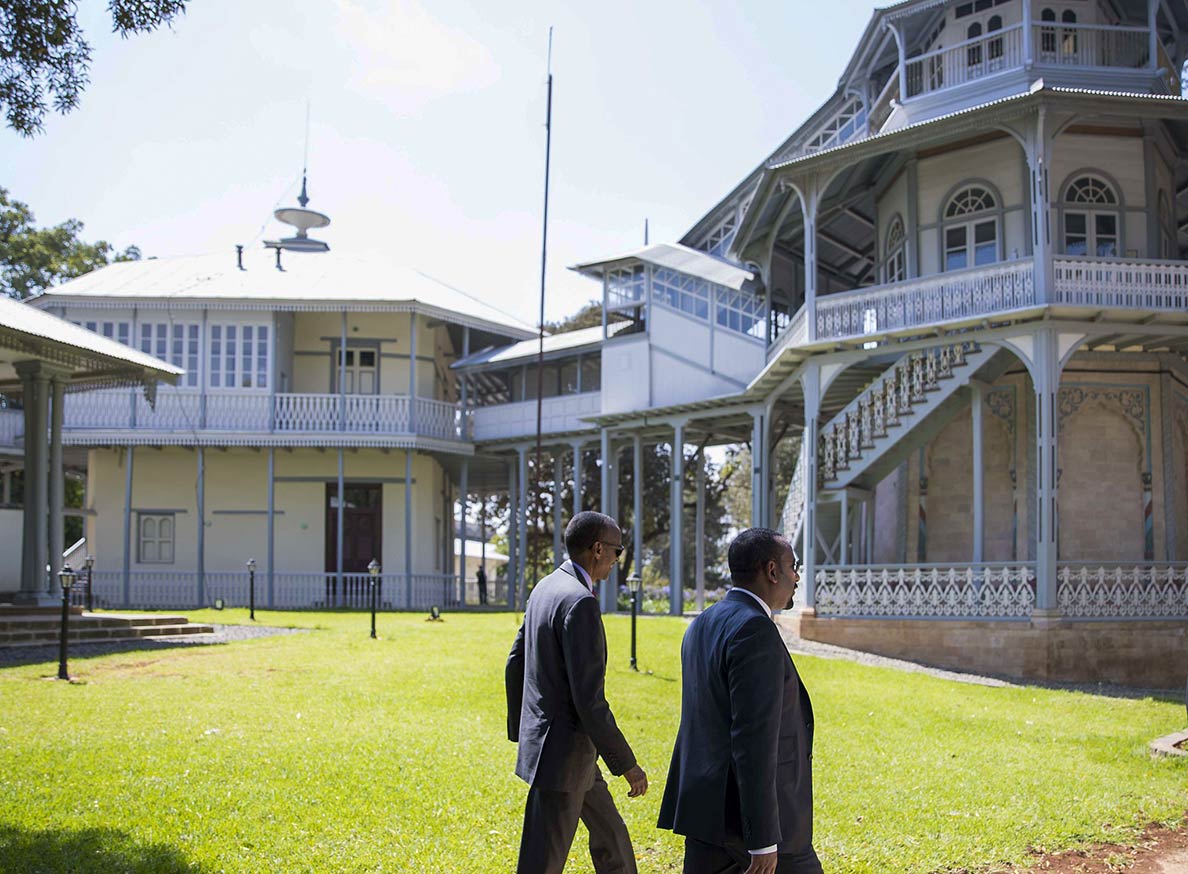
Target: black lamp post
x,y
89,563
251,566
634,582
374,570
66,577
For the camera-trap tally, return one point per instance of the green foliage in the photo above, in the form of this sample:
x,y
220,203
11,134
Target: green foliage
x,y
330,752
32,259
44,56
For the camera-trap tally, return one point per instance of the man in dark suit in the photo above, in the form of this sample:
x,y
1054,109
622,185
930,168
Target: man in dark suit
x,y
740,787
557,711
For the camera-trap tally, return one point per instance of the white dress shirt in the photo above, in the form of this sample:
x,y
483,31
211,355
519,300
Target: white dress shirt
x,y
764,850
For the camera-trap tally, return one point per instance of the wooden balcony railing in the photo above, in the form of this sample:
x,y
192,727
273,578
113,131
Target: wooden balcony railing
x,y
261,412
966,61
1091,45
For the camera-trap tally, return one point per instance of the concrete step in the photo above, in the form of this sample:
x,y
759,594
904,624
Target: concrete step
x,y
96,628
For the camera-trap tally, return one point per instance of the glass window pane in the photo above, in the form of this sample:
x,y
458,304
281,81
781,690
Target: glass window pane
x,y
367,358
955,238
591,374
955,260
569,374
1074,222
984,232
986,253
1106,225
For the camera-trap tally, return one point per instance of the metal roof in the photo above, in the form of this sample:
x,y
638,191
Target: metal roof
x,y
676,257
327,281
554,344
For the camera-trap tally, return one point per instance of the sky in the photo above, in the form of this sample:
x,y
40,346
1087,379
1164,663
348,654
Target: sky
x,y
426,134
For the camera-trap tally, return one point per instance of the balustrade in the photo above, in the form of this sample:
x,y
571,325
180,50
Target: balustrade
x,y
973,591
1142,590
1126,284
965,62
1091,45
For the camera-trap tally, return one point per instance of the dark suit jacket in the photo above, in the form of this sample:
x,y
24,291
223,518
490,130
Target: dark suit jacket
x,y
741,770
556,707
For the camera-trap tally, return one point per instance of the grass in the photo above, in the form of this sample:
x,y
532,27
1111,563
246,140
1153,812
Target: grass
x,y
330,752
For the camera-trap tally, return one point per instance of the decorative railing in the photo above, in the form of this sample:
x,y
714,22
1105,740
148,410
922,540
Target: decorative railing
x,y
1132,591
979,291
973,591
186,590
260,412
870,415
964,62
12,426
884,104
1127,284
792,516
1091,45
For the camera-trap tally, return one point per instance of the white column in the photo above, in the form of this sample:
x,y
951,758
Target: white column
x,y
699,536
341,520
1028,52
342,351
1047,383
608,594
271,527
465,384
513,570
811,383
577,475
464,502
811,199
1038,161
57,484
201,526
758,475
637,483
522,524
127,569
412,373
676,583
558,473
979,498
408,525
844,551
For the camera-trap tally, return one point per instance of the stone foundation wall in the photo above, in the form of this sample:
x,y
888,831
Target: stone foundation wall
x,y
1150,654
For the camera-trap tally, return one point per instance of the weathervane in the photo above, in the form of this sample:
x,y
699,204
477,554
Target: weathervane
x,y
299,217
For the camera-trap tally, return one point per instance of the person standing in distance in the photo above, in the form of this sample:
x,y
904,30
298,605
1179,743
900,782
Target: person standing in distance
x,y
480,577
740,787
557,711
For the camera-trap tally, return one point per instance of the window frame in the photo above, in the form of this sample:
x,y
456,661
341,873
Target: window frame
x,y
969,221
157,540
241,363
1091,210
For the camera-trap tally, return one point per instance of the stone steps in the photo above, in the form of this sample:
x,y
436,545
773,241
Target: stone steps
x,y
41,629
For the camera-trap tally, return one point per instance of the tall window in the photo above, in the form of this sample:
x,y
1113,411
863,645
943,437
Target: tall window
x,y
118,331
973,54
971,229
155,541
895,266
238,356
175,342
1091,218
994,46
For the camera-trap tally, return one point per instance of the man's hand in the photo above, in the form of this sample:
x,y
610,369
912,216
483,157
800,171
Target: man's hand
x,y
764,863
638,781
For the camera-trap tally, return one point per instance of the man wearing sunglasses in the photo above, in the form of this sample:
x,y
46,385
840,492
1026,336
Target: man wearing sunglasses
x,y
557,711
740,787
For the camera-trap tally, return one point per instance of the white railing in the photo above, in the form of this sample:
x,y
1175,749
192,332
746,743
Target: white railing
x,y
12,426
966,61
1127,284
1091,45
185,590
978,291
869,416
792,516
260,412
558,415
884,103
1132,591
972,591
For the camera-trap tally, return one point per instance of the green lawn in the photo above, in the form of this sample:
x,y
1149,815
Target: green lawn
x,y
331,752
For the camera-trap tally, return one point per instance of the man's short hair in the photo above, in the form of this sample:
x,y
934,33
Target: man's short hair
x,y
585,529
752,550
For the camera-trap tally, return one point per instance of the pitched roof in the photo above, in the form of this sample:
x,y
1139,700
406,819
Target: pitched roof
x,y
328,281
554,344
674,256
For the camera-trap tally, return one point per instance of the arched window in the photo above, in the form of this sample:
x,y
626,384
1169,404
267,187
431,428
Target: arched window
x,y
1091,218
971,229
895,264
1068,38
1048,35
973,54
994,46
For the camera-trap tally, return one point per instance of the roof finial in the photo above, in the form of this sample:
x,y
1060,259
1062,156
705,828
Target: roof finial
x,y
303,198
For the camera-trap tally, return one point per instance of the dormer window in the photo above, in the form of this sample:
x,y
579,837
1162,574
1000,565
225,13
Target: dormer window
x,y
971,229
1090,218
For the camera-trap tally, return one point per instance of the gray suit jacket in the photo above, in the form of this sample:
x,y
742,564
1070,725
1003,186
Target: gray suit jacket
x,y
741,770
556,707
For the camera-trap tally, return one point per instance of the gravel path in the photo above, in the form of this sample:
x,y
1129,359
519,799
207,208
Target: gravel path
x,y
31,655
799,646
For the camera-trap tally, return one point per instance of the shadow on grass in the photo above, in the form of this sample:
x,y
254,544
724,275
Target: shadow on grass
x,y
87,851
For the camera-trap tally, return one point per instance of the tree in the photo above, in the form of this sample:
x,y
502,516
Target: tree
x,y
589,316
32,259
44,56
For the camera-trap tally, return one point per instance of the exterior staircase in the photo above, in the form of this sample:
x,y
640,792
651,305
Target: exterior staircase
x,y
38,627
899,411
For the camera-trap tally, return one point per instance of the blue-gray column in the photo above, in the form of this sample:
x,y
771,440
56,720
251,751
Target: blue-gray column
x,y
341,518
609,591
408,527
811,383
127,569
522,524
979,493
637,481
758,476
271,527
35,536
676,583
1047,383
578,447
57,484
558,473
464,502
201,526
513,570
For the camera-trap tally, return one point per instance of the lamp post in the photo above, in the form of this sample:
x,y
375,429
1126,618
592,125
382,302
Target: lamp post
x,y
251,566
634,582
374,570
66,578
89,564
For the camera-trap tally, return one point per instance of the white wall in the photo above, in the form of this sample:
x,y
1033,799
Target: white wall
x,y
626,374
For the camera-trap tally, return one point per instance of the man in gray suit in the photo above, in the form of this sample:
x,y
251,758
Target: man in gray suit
x,y
740,788
557,711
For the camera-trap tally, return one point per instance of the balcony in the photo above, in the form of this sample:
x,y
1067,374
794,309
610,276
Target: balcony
x,y
558,415
12,427
186,412
991,292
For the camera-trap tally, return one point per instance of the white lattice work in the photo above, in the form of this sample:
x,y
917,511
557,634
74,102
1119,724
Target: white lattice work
x,y
792,516
981,591
979,291
1142,591
1108,282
